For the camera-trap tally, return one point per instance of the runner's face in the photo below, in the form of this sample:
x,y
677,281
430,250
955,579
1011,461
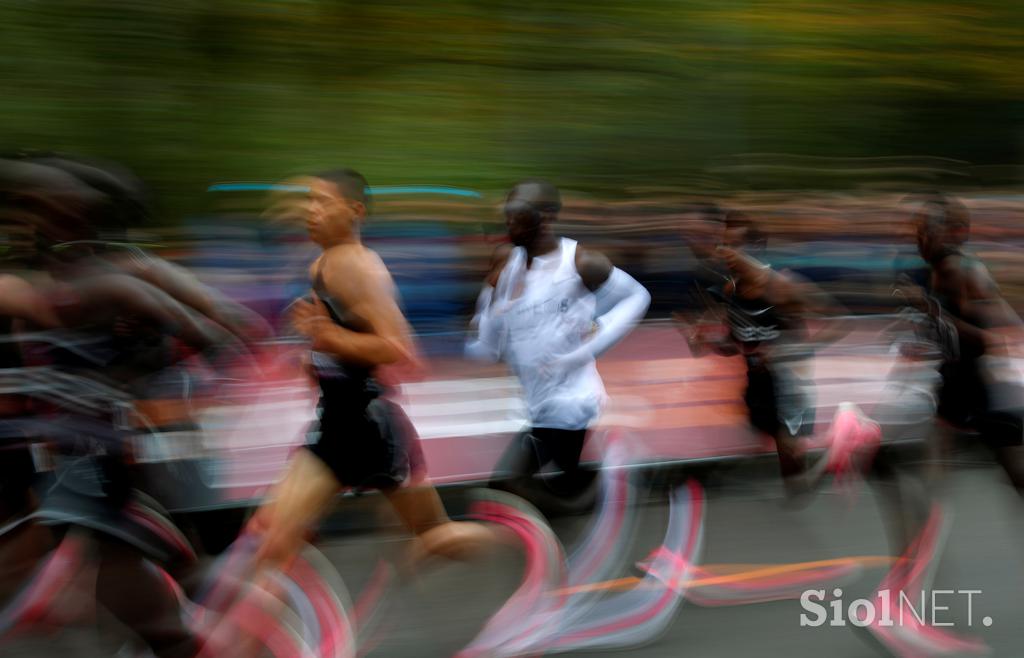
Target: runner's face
x,y
524,223
330,216
930,235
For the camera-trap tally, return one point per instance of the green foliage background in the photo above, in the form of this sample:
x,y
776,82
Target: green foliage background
x,y
603,96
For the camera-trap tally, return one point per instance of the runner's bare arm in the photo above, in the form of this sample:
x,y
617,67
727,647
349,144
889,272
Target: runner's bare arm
x,y
19,299
594,268
811,302
103,298
976,296
982,299
498,260
364,286
180,284
992,321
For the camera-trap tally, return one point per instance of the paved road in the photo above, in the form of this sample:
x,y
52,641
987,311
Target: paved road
x,y
746,524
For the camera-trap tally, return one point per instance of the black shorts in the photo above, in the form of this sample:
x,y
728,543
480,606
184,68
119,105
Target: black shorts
x,y
563,447
368,442
964,401
17,473
533,449
776,401
81,497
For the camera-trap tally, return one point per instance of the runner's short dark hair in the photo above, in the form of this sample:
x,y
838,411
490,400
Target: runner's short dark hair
x,y
349,182
548,198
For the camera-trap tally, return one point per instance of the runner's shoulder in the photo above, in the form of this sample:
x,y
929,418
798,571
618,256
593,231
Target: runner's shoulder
x,y
355,273
593,267
501,254
499,257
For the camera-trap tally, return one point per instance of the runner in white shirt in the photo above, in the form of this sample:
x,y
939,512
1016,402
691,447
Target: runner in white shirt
x,y
549,309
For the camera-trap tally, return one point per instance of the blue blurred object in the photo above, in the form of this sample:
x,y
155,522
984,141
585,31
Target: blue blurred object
x,y
426,262
256,187
381,190
424,189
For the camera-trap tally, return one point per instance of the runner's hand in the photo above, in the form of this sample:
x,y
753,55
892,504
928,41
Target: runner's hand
x,y
911,293
310,318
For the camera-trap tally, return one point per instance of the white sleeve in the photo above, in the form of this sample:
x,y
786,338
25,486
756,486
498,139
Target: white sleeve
x,y
487,331
621,303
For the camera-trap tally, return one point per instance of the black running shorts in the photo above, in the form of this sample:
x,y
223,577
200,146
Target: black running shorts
x,y
366,441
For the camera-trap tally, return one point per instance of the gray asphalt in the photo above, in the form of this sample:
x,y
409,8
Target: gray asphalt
x,y
747,522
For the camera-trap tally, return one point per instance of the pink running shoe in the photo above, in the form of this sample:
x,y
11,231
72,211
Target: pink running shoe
x,y
851,444
855,440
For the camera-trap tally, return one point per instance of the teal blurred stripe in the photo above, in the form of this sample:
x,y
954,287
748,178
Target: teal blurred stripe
x,y
377,191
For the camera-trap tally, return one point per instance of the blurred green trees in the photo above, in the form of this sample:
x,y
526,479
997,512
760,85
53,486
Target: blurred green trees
x,y
599,95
